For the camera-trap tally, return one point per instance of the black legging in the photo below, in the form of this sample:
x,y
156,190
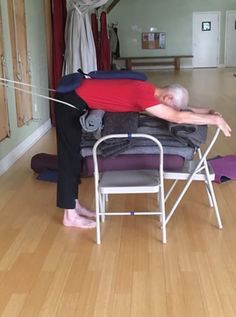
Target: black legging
x,y
68,130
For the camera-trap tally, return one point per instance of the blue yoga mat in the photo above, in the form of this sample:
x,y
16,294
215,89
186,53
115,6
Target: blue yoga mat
x,y
48,176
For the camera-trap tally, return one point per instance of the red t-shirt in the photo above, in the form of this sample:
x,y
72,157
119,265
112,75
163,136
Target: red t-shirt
x,y
117,95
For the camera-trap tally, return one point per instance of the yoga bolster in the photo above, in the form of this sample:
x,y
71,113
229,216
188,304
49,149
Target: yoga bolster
x,y
42,161
72,81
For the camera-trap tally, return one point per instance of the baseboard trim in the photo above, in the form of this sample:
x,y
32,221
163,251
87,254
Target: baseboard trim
x,y
23,147
154,68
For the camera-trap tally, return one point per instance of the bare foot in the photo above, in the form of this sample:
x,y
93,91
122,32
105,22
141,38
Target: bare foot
x,y
72,219
82,211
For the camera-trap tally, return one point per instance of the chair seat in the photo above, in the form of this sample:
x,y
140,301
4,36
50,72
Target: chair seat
x,y
187,170
133,181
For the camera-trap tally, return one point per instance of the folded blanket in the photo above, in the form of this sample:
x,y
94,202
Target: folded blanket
x,y
169,134
91,121
152,122
185,151
186,134
163,139
161,133
115,123
189,134
120,122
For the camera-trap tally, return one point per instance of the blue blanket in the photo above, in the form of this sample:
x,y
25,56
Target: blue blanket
x,y
72,81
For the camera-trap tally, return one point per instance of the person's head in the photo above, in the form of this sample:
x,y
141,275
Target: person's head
x,y
175,96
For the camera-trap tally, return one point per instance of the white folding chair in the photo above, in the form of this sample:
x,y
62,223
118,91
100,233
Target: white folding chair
x,y
128,182
195,170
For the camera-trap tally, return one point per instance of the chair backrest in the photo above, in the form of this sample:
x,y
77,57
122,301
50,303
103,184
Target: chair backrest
x,y
128,136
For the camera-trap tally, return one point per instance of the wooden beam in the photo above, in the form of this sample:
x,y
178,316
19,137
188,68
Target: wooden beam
x,y
112,5
18,36
4,120
48,28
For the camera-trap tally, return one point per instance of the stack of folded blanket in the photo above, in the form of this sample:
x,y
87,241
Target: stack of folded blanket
x,y
179,144
176,139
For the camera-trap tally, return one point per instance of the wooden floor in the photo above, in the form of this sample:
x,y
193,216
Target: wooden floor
x,y
49,270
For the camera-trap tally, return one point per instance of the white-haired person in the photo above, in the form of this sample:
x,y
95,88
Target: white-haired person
x,y
113,95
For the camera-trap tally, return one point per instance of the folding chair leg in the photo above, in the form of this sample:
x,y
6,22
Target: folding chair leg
x,y
163,215
98,230
159,204
103,206
206,181
213,198
215,205
208,194
184,190
98,234
212,194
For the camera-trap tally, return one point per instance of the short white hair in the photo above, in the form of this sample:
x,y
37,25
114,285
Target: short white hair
x,y
180,95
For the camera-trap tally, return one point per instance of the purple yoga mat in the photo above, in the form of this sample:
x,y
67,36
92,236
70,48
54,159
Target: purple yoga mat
x,y
224,168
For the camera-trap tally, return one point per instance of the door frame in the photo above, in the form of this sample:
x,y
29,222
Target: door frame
x,y
226,32
219,34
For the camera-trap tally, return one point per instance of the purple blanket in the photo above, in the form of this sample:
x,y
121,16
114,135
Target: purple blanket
x,y
224,168
131,162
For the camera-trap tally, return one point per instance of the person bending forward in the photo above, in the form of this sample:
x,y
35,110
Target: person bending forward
x,y
114,95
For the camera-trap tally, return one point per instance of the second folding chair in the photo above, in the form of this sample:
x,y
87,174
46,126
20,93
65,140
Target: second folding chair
x,y
129,182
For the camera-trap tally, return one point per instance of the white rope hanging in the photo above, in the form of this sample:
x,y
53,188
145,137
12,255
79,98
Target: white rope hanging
x,y
5,79
5,83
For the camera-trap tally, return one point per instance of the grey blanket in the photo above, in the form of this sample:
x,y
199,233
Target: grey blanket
x,y
170,134
189,134
186,134
157,128
185,151
115,123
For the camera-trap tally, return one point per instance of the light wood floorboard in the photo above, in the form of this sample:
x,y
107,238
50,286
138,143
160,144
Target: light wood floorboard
x,y
49,270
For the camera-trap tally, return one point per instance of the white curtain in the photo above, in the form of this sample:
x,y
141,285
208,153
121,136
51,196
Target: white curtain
x,y
80,49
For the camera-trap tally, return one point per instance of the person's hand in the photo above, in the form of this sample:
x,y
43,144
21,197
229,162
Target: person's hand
x,y
223,125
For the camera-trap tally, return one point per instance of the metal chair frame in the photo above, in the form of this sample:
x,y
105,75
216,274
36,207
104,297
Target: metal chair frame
x,y
128,182
195,170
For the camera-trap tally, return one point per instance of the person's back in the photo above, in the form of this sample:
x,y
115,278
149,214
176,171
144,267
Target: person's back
x,y
116,95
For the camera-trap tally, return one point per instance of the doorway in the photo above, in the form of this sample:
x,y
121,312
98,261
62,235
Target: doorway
x,y
230,39
206,39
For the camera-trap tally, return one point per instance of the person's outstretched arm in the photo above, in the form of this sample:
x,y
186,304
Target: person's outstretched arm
x,y
203,110
189,117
